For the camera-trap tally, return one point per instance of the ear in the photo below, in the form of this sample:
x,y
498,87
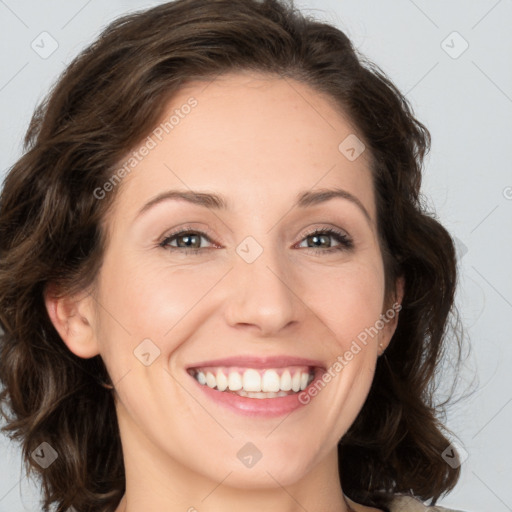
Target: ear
x,y
73,318
390,316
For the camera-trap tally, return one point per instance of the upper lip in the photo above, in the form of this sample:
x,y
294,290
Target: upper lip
x,y
279,361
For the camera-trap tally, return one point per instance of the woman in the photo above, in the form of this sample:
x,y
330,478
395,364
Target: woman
x,y
218,286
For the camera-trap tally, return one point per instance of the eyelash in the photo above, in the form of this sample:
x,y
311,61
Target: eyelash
x,y
345,242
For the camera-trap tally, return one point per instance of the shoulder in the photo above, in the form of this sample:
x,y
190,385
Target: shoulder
x,y
410,504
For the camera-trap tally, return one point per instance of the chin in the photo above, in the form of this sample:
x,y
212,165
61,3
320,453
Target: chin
x,y
274,471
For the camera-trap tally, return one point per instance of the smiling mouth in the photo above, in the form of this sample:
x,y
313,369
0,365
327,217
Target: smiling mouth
x,y
255,382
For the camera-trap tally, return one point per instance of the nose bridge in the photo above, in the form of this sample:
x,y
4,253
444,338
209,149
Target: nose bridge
x,y
261,294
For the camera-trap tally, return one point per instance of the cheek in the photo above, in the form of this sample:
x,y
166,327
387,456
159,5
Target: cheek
x,y
347,299
156,301
150,300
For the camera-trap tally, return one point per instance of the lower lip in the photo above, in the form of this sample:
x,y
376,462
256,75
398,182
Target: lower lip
x,y
260,407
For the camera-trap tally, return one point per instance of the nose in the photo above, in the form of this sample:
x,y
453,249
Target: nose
x,y
261,295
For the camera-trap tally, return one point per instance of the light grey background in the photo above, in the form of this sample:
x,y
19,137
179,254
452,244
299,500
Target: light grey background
x,y
464,98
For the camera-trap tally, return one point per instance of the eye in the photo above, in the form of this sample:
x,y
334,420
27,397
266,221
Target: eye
x,y
320,237
186,240
189,241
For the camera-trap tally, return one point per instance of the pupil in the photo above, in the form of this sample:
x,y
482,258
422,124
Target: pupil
x,y
318,238
188,237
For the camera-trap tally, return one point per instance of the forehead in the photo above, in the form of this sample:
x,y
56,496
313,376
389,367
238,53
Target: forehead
x,y
251,137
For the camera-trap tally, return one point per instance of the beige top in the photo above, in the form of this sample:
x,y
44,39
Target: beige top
x,y
408,504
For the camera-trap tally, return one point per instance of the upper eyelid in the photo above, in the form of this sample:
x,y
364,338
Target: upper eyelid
x,y
187,229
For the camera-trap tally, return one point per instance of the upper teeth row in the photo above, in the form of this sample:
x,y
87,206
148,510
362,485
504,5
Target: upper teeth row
x,y
251,380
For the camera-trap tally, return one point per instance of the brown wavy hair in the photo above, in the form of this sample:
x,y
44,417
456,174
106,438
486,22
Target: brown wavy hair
x,y
106,101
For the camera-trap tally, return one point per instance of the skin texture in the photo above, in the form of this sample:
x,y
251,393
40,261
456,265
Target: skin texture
x,y
258,141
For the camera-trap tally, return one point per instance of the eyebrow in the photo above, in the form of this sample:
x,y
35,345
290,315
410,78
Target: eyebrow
x,y
304,199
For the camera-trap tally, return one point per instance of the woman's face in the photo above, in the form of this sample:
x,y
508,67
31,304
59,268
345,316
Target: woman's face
x,y
248,296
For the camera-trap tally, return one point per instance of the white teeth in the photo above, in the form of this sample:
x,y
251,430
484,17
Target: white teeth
x,y
251,380
255,383
304,381
270,381
222,380
261,395
234,381
210,380
286,381
296,381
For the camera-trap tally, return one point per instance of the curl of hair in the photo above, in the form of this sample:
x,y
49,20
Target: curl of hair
x,y
51,234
